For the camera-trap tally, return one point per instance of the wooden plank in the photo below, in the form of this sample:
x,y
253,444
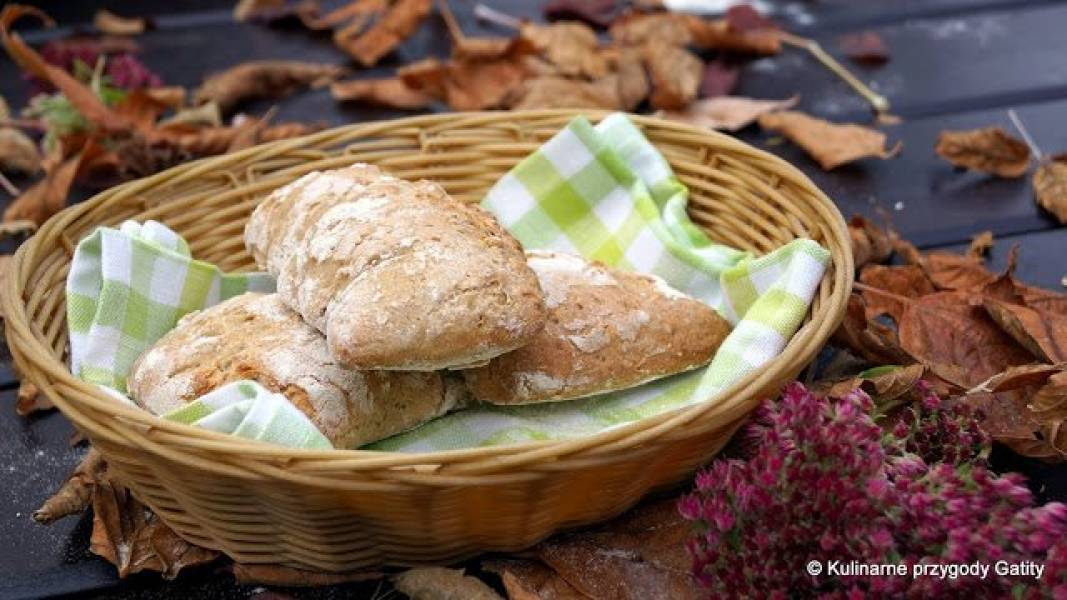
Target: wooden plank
x,y
927,200
837,15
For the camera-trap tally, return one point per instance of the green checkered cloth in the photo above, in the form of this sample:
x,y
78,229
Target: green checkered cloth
x,y
127,287
607,194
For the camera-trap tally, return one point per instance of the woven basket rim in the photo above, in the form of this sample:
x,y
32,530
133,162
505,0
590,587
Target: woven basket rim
x,y
51,375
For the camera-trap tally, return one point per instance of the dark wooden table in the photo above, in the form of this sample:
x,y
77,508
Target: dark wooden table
x,y
955,64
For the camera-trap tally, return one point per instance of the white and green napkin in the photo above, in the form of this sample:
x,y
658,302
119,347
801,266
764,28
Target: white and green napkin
x,y
602,192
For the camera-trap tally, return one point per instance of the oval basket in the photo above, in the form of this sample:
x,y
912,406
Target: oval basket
x,y
345,510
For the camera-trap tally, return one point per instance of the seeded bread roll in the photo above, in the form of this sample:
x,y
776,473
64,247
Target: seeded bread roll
x,y
257,337
398,275
607,330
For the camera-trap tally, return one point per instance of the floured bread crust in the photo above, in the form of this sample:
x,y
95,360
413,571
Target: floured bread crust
x,y
397,274
607,330
257,337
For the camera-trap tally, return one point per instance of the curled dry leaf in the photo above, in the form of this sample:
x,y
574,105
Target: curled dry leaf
x,y
730,113
633,85
1050,187
391,92
1043,334
830,144
723,35
18,153
980,245
870,243
264,79
395,26
292,577
439,583
874,341
595,13
129,536
205,115
886,385
558,92
307,11
989,149
639,555
76,493
171,96
675,73
531,580
571,47
109,23
467,85
865,47
47,197
662,28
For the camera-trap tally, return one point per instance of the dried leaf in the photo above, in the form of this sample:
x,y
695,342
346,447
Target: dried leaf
x,y
675,73
885,385
141,110
78,94
980,245
730,113
15,228
721,34
989,149
530,580
47,197
439,583
467,85
395,26
108,22
865,47
1050,187
595,13
955,272
18,153
662,28
269,11
720,79
264,79
129,536
1050,402
874,341
639,555
1045,336
570,46
870,243
633,85
892,283
1016,378
558,92
391,92
831,144
171,96
205,115
488,48
30,400
292,577
75,495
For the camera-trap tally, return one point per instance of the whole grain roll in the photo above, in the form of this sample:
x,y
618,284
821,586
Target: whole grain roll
x,y
256,336
607,330
397,274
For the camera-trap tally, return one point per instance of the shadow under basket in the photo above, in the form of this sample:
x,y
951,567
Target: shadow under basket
x,y
343,510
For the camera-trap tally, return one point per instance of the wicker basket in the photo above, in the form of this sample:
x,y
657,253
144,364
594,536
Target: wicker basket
x,y
345,510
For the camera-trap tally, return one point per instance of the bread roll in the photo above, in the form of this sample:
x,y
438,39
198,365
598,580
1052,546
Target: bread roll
x,y
398,275
257,337
607,330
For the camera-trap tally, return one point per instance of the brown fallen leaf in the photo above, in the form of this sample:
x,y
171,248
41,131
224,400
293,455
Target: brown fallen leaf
x,y
531,580
466,85
907,281
633,85
131,537
264,79
171,96
870,243
1044,335
1050,401
887,385
875,342
980,245
559,92
396,25
721,34
865,47
830,144
205,115
675,73
391,92
1050,186
47,197
1015,378
18,153
951,271
730,113
75,495
639,555
989,149
109,23
307,11
293,577
638,29
439,583
570,46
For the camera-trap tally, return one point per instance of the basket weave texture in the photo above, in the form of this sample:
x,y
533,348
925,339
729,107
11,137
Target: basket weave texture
x,y
346,510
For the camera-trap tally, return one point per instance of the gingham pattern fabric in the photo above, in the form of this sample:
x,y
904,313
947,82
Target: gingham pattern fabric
x,y
607,194
129,286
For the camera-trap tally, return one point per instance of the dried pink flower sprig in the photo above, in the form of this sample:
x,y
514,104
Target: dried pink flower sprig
x,y
823,483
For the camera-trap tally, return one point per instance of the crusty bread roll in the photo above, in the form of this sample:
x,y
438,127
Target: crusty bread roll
x,y
398,275
607,330
257,337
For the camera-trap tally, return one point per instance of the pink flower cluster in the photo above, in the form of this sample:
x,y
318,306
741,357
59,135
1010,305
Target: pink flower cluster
x,y
123,69
822,482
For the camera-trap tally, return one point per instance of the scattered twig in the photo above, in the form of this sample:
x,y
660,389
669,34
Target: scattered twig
x,y
491,15
9,187
1018,123
877,101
